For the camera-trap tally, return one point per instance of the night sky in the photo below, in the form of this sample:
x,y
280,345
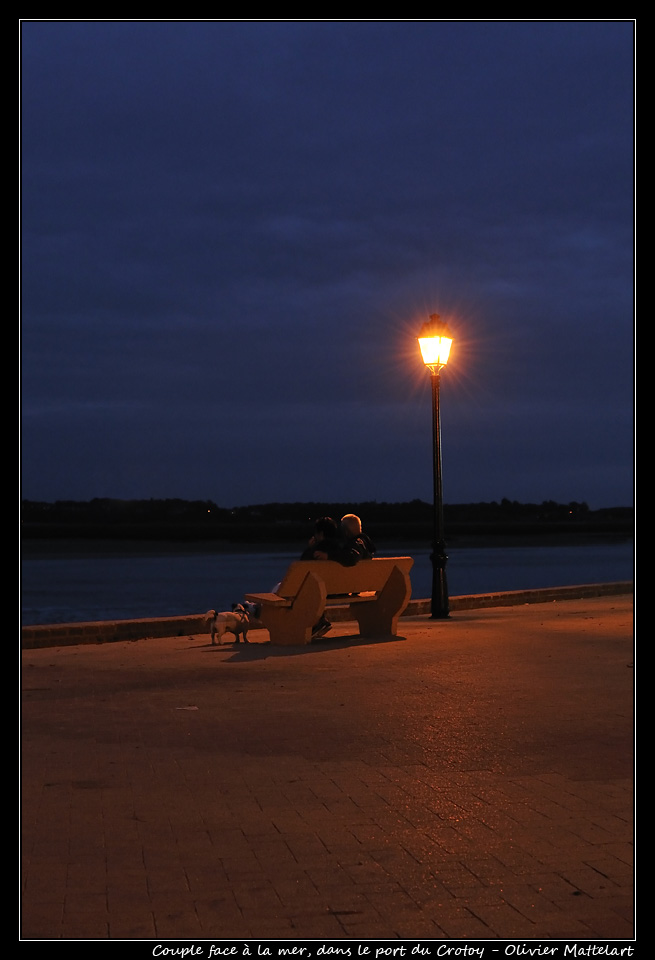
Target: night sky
x,y
232,232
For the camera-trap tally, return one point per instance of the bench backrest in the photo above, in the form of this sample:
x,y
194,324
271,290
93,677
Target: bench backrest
x,y
365,576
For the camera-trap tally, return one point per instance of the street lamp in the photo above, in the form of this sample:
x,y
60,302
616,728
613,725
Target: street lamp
x,y
435,340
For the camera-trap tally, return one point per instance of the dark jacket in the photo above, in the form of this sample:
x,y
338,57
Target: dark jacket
x,y
355,549
329,545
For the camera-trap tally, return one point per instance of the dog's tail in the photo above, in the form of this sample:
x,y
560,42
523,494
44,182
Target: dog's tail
x,y
210,615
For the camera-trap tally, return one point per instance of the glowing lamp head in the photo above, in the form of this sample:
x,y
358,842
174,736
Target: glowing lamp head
x,y
435,340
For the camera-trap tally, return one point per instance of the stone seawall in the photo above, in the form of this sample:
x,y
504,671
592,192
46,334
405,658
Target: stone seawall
x,y
112,631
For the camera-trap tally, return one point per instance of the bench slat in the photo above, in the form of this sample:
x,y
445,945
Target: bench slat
x,y
367,575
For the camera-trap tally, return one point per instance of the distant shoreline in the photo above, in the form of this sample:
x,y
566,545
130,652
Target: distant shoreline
x,y
201,525
87,546
293,530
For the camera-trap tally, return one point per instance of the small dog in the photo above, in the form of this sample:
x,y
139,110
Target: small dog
x,y
236,622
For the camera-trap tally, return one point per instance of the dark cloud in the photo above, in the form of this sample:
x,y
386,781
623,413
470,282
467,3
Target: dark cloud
x,y
232,231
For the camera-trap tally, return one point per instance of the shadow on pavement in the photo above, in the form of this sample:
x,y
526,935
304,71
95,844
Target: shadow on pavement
x,y
262,651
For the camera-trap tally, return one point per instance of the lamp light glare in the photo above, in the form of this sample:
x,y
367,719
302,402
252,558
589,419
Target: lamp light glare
x,y
435,341
435,350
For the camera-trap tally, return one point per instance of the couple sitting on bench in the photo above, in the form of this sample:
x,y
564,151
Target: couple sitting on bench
x,y
336,571
326,544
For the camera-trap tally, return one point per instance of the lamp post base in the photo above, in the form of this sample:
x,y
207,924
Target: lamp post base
x,y
440,606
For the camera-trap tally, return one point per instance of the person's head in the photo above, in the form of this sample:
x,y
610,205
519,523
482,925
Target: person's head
x,y
326,528
351,525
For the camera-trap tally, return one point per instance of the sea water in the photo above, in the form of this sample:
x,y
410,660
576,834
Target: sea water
x,y
69,584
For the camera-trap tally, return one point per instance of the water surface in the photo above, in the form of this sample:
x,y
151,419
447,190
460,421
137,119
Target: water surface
x,y
68,583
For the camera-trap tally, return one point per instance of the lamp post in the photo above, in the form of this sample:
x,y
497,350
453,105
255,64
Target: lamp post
x,y
435,340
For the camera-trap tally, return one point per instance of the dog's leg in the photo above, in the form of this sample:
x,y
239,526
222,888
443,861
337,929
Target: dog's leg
x,y
210,617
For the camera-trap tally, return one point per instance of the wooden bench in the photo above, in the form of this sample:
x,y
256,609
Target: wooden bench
x,y
377,591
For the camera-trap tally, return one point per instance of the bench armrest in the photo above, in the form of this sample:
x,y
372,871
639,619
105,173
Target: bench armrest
x,y
271,598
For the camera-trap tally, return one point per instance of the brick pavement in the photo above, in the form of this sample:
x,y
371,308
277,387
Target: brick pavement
x,y
468,779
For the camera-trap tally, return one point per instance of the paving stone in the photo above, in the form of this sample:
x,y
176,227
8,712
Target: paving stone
x,y
465,780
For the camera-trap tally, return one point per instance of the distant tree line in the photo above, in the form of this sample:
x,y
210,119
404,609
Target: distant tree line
x,y
203,519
